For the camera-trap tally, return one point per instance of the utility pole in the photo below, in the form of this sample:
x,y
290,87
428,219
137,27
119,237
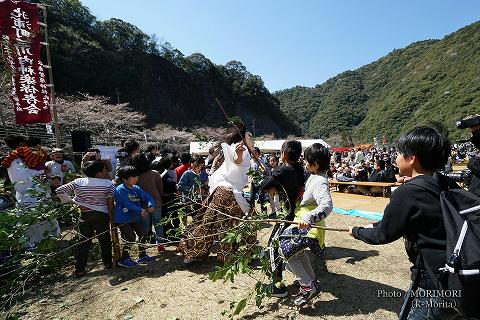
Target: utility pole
x,y
50,75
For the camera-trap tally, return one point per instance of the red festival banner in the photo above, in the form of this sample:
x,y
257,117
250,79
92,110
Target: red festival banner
x,y
20,32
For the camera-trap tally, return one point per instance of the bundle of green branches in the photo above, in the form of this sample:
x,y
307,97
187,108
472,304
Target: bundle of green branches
x,y
20,266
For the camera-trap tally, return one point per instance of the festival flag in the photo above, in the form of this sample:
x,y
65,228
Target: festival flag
x,y
20,36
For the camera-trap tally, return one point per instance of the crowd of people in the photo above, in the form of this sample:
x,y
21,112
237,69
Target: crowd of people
x,y
379,165
150,187
370,165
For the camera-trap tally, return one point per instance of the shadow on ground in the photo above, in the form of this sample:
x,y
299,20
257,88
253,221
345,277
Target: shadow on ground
x,y
354,296
166,262
340,294
334,253
351,296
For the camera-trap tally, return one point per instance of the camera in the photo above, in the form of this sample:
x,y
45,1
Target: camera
x,y
463,176
468,122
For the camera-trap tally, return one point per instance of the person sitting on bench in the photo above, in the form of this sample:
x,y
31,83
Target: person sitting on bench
x,y
378,175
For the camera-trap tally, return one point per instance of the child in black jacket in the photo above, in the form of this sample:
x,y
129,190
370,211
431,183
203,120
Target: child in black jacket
x,y
288,181
414,212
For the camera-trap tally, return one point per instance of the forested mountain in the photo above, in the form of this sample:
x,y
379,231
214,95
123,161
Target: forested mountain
x,y
435,80
114,58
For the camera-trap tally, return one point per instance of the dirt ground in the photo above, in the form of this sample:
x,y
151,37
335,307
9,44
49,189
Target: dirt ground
x,y
360,282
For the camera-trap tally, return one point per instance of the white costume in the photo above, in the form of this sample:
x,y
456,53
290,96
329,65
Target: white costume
x,y
232,175
23,179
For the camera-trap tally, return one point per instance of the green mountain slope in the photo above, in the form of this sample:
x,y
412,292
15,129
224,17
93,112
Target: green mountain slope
x,y
114,58
435,80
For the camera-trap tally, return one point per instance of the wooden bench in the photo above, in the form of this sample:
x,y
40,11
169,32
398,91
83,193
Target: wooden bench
x,y
386,186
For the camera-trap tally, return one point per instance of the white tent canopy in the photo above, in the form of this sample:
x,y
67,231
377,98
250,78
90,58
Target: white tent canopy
x,y
264,146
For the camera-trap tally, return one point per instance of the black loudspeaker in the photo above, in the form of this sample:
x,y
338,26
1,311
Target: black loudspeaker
x,y
81,141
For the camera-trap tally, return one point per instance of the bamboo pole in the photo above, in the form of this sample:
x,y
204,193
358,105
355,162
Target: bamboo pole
x,y
4,124
311,226
114,232
50,75
3,89
342,229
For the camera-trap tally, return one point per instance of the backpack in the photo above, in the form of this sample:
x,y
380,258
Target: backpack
x,y
461,272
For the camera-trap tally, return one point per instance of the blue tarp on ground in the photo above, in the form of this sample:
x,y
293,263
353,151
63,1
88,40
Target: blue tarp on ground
x,y
352,212
360,213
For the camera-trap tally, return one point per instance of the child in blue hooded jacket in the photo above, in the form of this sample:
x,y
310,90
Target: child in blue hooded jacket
x,y
191,181
128,215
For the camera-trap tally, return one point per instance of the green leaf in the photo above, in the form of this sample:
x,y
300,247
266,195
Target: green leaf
x,y
258,300
240,306
219,273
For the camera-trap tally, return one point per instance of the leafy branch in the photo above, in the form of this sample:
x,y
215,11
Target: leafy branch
x,y
242,261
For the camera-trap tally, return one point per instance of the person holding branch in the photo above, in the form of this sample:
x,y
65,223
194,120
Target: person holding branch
x,y
226,185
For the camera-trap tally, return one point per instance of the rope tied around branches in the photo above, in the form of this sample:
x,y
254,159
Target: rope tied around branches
x,y
342,229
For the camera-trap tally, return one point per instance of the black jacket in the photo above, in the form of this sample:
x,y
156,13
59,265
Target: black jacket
x,y
290,178
376,176
389,174
169,190
362,175
415,214
474,166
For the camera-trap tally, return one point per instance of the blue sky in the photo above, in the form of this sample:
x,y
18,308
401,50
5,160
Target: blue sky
x,y
292,43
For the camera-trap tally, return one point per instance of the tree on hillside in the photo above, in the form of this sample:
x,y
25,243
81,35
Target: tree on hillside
x,y
124,36
172,54
198,64
71,13
236,73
